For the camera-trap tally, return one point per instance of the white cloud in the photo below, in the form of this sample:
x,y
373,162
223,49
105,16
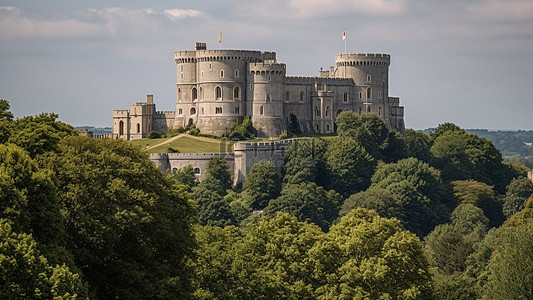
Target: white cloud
x,y
105,22
304,9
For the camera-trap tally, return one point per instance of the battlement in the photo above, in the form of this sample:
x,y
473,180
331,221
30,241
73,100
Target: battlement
x,y
362,59
194,56
120,113
242,146
185,156
318,80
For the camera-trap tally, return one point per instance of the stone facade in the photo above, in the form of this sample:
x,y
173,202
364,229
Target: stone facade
x,y
217,87
239,162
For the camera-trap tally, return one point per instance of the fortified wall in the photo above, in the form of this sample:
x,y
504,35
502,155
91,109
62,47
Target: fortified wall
x,y
239,162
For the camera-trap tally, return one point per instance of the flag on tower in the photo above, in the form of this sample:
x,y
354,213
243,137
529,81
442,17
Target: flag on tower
x,y
344,35
220,37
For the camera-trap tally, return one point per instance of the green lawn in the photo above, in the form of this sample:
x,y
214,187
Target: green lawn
x,y
185,145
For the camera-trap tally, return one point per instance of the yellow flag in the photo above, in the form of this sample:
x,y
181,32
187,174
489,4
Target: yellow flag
x,y
220,37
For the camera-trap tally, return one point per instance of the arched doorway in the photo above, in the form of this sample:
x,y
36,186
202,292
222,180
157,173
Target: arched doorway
x,y
191,122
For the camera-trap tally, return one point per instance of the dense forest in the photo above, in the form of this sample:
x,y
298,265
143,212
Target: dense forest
x,y
367,214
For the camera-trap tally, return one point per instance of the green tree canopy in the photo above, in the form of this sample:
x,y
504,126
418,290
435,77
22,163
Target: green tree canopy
x,y
213,207
518,191
377,260
218,169
369,130
262,184
26,274
418,145
39,134
419,190
305,162
5,114
349,166
462,156
128,228
185,176
481,195
308,202
394,147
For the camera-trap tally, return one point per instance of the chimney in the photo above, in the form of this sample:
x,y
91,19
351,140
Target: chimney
x,y
200,46
149,99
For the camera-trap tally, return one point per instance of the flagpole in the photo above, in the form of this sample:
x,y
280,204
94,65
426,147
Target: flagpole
x,y
220,39
345,41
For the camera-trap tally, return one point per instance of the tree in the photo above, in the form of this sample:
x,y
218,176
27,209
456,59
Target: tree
x,y
242,131
444,128
218,169
5,114
418,145
377,260
185,176
26,274
511,267
128,228
517,193
419,190
305,162
262,184
394,147
213,208
28,198
39,134
369,130
469,219
480,195
308,202
383,201
349,166
447,249
462,156
294,125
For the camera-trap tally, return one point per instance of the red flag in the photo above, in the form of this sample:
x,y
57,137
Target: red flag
x,y
344,35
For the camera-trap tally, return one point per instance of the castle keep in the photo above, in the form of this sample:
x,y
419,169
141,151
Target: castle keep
x,y
217,87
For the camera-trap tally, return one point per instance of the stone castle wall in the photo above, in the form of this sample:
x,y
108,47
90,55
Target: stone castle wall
x,y
239,162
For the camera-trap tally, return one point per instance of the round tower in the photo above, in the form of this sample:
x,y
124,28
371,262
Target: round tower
x,y
265,90
370,72
213,92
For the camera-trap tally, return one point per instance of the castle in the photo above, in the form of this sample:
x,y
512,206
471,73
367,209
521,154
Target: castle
x,y
217,87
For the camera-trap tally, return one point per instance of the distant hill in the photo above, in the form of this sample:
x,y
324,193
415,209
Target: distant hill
x,y
95,130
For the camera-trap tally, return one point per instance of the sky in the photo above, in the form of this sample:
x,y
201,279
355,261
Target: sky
x,y
466,62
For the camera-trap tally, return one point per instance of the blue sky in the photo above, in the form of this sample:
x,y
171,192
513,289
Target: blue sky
x,y
467,62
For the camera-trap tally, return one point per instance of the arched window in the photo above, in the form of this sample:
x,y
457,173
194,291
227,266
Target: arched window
x,y
317,128
179,94
196,171
359,110
302,96
221,73
261,110
327,127
138,128
327,111
236,73
345,99
237,110
218,110
192,111
218,93
236,92
180,111
174,170
360,95
317,112
379,95
379,110
368,108
368,93
194,94
368,78
121,127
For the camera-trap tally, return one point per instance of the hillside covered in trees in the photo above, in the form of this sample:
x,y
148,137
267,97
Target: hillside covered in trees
x,y
368,214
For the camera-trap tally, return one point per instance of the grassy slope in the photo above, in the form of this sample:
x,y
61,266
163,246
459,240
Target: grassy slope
x,y
186,145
